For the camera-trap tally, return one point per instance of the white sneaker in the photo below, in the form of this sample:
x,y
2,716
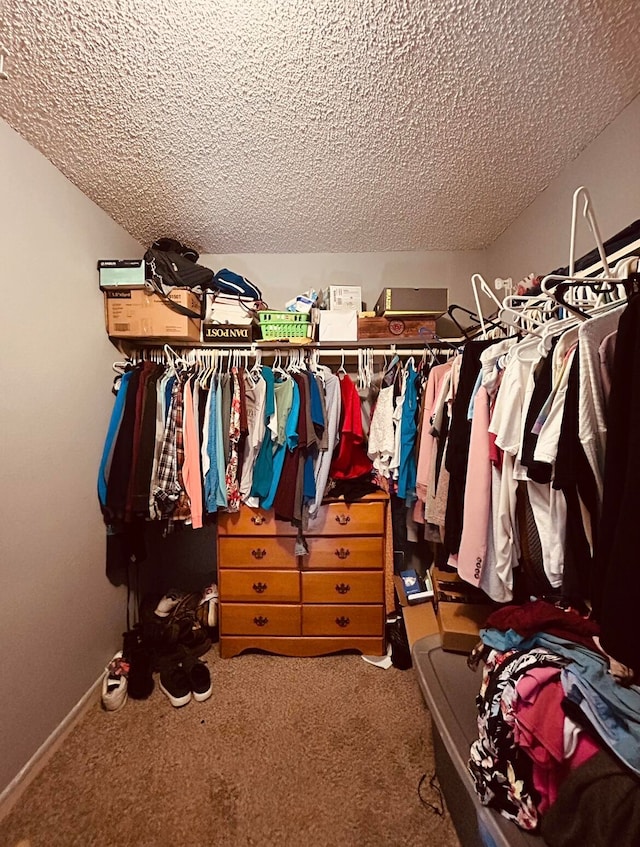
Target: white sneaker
x,y
114,683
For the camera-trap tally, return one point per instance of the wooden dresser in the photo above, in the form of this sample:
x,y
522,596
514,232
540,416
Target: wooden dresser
x,y
331,599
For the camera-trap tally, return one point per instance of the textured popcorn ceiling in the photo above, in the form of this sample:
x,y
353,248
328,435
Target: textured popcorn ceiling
x,y
316,125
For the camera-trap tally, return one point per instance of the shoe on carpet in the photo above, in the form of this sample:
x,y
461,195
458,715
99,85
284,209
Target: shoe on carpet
x,y
114,683
199,678
174,682
140,673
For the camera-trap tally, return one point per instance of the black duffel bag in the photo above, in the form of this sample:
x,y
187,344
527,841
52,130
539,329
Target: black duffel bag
x,y
171,264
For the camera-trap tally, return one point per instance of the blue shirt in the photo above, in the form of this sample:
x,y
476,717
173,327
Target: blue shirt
x,y
112,432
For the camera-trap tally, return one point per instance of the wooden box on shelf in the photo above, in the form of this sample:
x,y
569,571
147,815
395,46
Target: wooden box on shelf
x,y
329,600
402,329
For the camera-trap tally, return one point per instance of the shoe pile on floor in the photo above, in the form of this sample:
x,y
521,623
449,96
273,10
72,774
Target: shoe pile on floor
x,y
170,638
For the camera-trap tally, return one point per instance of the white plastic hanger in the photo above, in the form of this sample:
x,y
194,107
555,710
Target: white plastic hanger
x,y
479,280
589,216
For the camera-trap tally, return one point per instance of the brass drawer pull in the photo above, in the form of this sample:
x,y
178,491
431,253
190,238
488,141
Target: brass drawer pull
x,y
343,520
259,587
343,588
258,520
343,552
343,622
259,553
260,621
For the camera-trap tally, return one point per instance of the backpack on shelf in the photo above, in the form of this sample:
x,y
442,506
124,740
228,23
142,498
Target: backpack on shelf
x,y
171,264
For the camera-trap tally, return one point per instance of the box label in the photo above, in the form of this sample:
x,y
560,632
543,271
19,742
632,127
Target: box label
x,y
226,332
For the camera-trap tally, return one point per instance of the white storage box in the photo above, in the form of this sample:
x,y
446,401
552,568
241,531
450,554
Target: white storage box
x,y
338,326
345,298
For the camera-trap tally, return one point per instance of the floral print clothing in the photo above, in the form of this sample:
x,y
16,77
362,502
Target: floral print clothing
x,y
502,771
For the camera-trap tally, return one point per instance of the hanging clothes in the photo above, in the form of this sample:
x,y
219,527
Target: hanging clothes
x,y
288,411
617,588
458,442
350,460
111,437
407,470
333,403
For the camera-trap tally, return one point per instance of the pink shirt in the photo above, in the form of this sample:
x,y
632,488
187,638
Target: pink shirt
x,y
432,389
191,473
477,495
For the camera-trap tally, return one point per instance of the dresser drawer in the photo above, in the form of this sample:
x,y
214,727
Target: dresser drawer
x,y
259,619
344,553
257,552
348,519
250,521
264,586
342,620
342,587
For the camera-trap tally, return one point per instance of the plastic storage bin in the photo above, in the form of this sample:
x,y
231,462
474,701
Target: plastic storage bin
x,y
449,689
274,325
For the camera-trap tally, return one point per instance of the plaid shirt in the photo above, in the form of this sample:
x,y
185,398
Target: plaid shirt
x,y
182,511
167,489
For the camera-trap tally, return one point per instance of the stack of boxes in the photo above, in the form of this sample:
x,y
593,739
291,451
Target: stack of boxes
x,y
407,315
133,311
448,606
338,321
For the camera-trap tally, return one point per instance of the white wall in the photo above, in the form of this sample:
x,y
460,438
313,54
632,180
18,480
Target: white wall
x,y
60,619
282,276
538,241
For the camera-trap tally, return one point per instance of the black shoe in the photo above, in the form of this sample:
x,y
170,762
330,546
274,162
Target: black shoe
x,y
140,684
174,682
199,678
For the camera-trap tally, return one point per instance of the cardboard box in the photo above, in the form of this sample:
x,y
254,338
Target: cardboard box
x,y
420,620
428,302
137,313
463,614
345,298
405,329
338,326
460,625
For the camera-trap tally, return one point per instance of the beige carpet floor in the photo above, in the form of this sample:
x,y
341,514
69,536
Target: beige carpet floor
x,y
322,752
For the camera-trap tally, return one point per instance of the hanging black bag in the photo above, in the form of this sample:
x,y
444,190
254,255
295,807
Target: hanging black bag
x,y
171,264
167,269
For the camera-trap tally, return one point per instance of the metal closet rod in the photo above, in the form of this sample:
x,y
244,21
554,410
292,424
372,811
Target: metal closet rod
x,y
349,350
279,351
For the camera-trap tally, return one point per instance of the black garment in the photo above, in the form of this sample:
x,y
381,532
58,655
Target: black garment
x,y
244,421
598,805
358,487
118,482
617,598
227,392
574,477
458,444
146,450
537,471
